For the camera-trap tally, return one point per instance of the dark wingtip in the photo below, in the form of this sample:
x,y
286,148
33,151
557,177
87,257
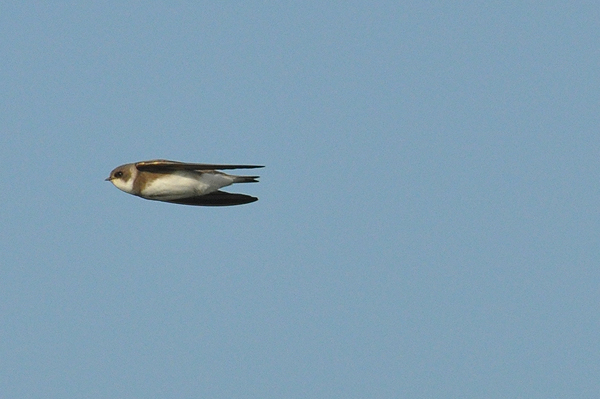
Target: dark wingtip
x,y
217,198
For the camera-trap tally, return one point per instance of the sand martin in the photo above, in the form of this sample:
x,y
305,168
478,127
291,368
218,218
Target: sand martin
x,y
181,183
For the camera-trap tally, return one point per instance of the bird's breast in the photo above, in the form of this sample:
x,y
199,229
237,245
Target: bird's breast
x,y
171,186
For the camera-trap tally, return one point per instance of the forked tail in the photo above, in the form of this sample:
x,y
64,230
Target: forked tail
x,y
246,179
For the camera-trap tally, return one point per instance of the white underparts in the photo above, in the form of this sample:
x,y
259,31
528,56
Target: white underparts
x,y
185,184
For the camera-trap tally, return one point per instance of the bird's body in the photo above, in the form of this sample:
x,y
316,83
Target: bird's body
x,y
182,183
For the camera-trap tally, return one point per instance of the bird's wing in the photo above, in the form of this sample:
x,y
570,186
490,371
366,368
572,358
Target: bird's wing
x,y
162,165
216,198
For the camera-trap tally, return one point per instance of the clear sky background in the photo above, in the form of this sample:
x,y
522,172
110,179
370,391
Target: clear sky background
x,y
428,222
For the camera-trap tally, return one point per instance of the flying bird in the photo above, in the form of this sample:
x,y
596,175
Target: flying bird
x,y
182,183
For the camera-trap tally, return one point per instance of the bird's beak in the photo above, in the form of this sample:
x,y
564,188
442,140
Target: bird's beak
x,y
108,179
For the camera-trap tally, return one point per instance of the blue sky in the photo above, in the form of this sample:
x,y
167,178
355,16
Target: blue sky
x,y
428,215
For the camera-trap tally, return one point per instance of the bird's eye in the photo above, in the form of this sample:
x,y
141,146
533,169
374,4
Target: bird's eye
x,y
118,174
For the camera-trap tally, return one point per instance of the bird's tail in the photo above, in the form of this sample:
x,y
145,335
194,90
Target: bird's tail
x,y
246,179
